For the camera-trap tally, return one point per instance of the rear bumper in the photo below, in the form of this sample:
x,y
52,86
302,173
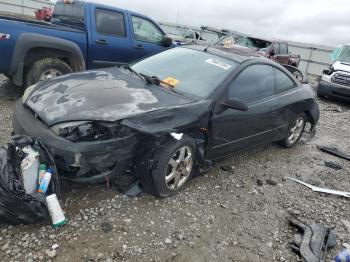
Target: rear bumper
x,y
79,159
334,91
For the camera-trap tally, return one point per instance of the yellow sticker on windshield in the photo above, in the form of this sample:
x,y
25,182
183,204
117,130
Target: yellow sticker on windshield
x,y
171,81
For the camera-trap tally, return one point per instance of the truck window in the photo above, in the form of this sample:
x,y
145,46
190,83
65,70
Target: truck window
x,y
110,23
283,49
276,47
189,34
69,13
145,30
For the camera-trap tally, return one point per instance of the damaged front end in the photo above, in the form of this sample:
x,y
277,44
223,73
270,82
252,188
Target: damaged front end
x,y
85,151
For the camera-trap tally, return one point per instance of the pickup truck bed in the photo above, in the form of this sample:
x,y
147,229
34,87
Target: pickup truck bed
x,y
82,35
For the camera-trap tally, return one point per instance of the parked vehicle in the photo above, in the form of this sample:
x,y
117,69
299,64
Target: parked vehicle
x,y
82,35
335,82
206,35
44,13
163,121
275,50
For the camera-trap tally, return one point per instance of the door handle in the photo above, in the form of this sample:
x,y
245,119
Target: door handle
x,y
140,47
101,42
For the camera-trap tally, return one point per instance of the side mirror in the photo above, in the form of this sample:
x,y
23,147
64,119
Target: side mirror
x,y
272,52
167,41
235,104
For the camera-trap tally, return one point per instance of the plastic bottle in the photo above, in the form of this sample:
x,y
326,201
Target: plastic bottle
x,y
45,182
55,210
29,168
343,256
42,171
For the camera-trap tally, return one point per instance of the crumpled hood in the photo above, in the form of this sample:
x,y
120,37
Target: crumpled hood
x,y
105,95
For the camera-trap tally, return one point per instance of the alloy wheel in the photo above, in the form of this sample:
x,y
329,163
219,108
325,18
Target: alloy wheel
x,y
50,73
179,168
296,130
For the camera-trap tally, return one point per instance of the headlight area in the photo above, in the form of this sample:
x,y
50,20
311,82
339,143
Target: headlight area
x,y
28,92
84,131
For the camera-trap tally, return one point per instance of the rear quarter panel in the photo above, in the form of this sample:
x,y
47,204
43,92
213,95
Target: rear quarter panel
x,y
16,28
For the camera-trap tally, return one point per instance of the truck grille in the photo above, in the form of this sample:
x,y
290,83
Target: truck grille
x,y
341,79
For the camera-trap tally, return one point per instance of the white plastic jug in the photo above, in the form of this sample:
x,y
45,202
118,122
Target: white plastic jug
x,y
30,170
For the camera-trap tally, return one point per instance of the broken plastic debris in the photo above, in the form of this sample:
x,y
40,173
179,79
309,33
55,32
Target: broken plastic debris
x,y
177,136
322,190
334,152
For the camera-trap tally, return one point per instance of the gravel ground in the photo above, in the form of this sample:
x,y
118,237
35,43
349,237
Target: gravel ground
x,y
235,215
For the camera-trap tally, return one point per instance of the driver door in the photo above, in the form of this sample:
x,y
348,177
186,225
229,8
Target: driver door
x,y
233,130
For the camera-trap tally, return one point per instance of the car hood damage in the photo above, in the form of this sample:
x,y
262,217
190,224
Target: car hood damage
x,y
101,95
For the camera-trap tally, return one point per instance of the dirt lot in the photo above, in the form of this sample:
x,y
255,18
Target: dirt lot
x,y
238,215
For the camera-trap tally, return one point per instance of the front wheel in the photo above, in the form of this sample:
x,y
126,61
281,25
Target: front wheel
x,y
295,132
175,166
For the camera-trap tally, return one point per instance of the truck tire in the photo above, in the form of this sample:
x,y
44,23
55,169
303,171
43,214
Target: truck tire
x,y
175,165
45,69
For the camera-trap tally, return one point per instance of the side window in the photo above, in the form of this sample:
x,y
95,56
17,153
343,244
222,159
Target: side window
x,y
145,30
110,23
255,82
283,49
282,81
276,47
189,34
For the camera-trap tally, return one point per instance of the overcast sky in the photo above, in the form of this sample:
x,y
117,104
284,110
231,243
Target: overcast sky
x,y
325,22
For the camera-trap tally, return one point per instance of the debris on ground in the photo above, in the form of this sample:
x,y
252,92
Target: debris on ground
x,y
322,190
20,203
226,168
313,241
333,165
271,182
335,152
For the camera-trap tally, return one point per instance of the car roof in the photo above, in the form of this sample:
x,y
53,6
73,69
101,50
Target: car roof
x,y
235,53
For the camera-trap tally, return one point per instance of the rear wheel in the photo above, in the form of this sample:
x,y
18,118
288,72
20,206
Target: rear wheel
x,y
175,166
46,68
295,132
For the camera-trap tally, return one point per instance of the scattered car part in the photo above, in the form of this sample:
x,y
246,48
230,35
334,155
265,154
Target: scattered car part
x,y
333,165
334,152
322,190
134,190
313,242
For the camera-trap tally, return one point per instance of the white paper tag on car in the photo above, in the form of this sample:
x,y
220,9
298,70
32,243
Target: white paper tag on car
x,y
177,136
218,63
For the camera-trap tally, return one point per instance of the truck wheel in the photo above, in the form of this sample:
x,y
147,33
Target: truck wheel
x,y
295,132
175,164
46,68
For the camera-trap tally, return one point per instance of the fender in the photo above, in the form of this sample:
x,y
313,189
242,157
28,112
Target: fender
x,y
28,41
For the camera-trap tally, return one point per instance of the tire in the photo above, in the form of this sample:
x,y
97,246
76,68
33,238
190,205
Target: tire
x,y
44,68
298,126
179,172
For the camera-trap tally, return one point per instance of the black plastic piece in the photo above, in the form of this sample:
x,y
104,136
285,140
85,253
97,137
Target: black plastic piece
x,y
134,190
313,242
334,152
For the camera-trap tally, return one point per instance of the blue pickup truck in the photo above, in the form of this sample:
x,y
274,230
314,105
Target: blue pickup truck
x,y
81,36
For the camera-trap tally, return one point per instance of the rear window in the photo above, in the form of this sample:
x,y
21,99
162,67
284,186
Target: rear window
x,y
71,14
110,23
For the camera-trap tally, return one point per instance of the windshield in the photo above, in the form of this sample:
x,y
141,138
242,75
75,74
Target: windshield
x,y
190,71
342,54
